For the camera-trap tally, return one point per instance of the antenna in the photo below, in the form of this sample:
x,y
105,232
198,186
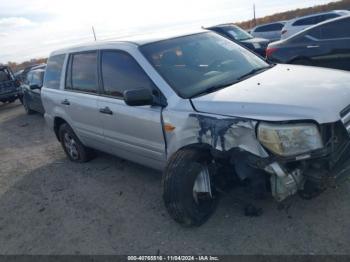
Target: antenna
x,y
93,31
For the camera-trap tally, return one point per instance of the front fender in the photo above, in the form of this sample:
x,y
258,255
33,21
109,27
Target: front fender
x,y
218,132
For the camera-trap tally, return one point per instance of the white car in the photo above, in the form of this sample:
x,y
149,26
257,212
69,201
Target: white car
x,y
270,31
298,24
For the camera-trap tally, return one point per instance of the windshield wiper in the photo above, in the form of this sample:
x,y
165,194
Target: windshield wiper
x,y
253,72
221,86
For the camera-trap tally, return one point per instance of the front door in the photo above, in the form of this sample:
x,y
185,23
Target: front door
x,y
35,94
134,133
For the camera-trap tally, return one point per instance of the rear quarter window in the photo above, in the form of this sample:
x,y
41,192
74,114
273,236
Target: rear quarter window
x,y
306,21
54,71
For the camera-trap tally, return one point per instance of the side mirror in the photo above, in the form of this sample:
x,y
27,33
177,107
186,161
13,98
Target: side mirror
x,y
138,97
35,86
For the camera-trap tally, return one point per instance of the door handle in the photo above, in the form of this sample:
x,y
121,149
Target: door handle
x,y
313,46
106,110
65,102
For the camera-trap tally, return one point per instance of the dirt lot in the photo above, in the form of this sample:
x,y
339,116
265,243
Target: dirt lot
x,y
49,205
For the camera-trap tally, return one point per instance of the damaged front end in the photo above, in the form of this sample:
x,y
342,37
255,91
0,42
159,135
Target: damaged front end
x,y
299,157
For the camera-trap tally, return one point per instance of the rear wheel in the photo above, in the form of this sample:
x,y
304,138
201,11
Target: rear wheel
x,y
188,189
72,146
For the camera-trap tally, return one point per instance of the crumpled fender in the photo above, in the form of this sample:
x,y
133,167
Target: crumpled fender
x,y
220,132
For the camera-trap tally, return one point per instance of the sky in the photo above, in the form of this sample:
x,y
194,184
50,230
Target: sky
x,y
34,28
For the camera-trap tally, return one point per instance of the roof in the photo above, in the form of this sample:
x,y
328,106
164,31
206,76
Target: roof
x,y
316,14
135,40
319,24
222,25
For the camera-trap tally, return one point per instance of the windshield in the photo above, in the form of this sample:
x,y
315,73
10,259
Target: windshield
x,y
237,33
198,63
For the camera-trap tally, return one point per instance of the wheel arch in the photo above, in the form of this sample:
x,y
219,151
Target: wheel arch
x,y
58,121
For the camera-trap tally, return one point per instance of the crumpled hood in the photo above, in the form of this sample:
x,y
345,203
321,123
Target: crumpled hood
x,y
284,92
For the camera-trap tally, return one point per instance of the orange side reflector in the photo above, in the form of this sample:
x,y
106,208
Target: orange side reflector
x,y
169,127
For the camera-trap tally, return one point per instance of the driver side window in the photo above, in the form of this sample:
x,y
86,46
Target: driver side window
x,y
121,72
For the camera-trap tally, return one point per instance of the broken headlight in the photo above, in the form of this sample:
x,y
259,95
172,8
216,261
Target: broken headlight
x,y
290,139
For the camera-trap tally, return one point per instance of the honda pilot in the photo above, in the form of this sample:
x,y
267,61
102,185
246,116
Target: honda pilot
x,y
205,111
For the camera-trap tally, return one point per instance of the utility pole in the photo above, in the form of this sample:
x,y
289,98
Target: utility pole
x,y
93,31
254,20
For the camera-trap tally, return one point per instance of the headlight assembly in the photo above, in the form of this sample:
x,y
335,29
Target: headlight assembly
x,y
289,139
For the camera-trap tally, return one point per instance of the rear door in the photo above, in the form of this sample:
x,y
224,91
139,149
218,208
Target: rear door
x,y
80,98
134,133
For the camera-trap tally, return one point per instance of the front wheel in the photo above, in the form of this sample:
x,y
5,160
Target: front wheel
x,y
188,191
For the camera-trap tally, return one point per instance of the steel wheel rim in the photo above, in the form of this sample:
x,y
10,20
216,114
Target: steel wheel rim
x,y
203,184
71,146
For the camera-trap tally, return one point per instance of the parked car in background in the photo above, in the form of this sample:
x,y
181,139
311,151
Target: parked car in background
x,y
204,110
270,31
298,24
326,44
31,90
237,34
22,74
9,85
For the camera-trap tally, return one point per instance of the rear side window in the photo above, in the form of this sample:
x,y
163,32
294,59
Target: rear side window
x,y
53,71
268,28
336,29
121,72
326,17
306,21
82,72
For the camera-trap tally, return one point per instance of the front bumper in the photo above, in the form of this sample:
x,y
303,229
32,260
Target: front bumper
x,y
330,170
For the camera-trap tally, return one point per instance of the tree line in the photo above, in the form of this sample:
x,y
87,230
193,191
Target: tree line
x,y
343,5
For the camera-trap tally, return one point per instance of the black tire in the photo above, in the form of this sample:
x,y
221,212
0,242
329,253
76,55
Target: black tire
x,y
302,61
72,146
178,181
27,108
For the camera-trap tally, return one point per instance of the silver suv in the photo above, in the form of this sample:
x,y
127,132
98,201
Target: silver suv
x,y
204,110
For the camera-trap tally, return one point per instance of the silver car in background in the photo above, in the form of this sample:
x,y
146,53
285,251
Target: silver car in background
x,y
271,31
206,112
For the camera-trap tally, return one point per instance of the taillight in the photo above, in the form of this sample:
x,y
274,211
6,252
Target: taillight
x,y
283,32
270,51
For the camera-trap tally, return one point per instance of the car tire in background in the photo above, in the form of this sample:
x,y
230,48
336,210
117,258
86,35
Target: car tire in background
x,y
178,182
73,147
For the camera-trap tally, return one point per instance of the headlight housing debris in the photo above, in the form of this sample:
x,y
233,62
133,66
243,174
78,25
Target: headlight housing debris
x,y
289,139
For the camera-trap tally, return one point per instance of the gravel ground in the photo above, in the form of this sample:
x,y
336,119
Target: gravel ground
x,y
49,205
